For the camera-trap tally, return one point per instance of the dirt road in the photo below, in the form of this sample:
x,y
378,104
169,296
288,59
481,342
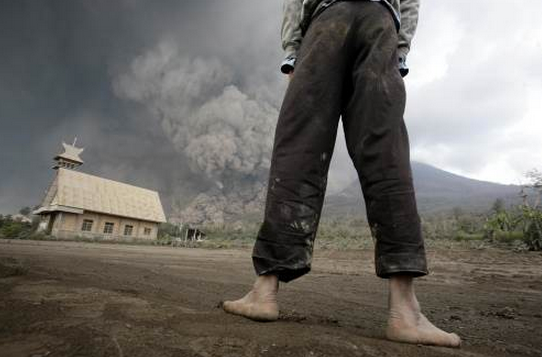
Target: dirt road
x,y
77,299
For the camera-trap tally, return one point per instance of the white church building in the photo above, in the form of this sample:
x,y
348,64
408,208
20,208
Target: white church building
x,y
77,204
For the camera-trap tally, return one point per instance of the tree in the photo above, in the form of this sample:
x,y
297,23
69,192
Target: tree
x,y
535,178
458,213
532,215
25,211
169,230
498,206
535,183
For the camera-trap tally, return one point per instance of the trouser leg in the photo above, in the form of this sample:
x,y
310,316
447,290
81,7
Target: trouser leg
x,y
347,65
377,142
304,141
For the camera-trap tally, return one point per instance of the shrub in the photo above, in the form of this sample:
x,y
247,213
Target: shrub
x,y
465,236
532,228
508,237
14,229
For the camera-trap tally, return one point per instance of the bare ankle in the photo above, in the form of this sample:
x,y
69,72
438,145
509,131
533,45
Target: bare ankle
x,y
267,283
402,297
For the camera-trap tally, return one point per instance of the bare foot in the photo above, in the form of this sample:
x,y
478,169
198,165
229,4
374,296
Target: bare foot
x,y
260,303
419,330
406,322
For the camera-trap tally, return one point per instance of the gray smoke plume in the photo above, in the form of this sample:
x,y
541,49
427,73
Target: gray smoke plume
x,y
224,133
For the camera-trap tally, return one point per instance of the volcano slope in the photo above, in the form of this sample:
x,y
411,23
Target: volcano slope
x,y
81,299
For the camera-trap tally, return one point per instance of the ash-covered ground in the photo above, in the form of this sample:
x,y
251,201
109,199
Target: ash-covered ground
x,y
81,299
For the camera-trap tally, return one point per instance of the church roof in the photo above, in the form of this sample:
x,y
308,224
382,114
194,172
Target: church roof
x,y
74,191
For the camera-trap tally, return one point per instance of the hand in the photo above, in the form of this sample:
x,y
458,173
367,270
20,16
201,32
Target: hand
x,y
290,75
403,68
287,66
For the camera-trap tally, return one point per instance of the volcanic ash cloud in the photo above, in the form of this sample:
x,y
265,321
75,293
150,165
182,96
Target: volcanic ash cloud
x,y
225,135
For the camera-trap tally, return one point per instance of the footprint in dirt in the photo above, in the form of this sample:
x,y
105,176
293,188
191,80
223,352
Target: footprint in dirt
x,y
293,316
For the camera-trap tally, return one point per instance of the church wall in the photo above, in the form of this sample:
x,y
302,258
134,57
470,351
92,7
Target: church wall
x,y
68,225
68,222
153,230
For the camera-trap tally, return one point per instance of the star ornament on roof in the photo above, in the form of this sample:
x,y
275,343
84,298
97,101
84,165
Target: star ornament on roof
x,y
72,151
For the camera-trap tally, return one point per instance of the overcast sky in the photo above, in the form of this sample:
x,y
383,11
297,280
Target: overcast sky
x,y
474,92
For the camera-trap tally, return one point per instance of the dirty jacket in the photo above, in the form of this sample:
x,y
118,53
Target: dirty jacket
x,y
297,15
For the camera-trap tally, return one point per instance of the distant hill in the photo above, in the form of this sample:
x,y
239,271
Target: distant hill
x,y
436,191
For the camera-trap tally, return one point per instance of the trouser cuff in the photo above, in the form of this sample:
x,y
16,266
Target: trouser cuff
x,y
287,262
401,263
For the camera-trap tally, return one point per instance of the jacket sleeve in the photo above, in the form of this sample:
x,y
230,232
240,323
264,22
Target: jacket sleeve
x,y
291,33
409,22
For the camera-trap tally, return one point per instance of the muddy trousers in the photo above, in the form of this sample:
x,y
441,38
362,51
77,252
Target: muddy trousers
x,y
347,67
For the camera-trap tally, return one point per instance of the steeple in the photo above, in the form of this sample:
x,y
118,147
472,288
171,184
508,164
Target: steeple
x,y
69,159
